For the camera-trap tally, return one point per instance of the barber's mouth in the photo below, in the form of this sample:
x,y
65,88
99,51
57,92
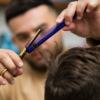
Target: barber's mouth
x,y
37,55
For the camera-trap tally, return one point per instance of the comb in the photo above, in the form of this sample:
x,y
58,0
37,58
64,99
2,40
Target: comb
x,y
46,35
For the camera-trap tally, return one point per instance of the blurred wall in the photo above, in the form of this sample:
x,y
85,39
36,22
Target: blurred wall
x,y
3,25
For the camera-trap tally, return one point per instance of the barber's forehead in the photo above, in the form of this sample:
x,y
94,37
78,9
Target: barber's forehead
x,y
42,9
32,17
37,12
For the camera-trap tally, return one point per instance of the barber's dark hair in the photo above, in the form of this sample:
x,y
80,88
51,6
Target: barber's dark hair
x,y
17,7
74,75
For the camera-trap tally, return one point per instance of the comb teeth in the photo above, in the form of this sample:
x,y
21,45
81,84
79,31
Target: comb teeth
x,y
44,34
33,39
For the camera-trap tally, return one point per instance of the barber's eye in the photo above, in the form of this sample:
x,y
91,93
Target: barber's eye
x,y
23,38
42,30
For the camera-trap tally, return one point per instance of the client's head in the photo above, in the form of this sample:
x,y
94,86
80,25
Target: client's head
x,y
74,75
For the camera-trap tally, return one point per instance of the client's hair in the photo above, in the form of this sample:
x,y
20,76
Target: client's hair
x,y
74,75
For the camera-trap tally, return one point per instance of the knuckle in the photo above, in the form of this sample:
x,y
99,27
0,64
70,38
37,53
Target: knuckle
x,y
8,77
98,1
3,55
79,11
81,7
71,3
68,15
92,5
2,50
12,68
10,51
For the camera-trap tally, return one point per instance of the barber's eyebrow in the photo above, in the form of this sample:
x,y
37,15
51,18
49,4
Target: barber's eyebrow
x,y
37,28
19,34
40,26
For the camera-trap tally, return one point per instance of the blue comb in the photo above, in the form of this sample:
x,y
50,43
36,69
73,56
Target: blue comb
x,y
38,40
45,35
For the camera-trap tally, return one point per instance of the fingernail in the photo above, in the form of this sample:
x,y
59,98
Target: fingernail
x,y
78,17
12,82
3,82
58,20
88,10
20,64
15,72
67,23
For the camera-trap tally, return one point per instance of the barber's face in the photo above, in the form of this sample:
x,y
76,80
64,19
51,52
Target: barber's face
x,y
25,26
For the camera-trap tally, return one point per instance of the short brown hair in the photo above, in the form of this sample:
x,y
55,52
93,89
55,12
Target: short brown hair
x,y
74,75
17,7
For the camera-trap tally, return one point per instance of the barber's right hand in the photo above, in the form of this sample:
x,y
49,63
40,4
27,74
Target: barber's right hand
x,y
9,60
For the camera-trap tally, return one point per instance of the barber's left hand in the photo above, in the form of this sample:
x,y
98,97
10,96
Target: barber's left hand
x,y
86,24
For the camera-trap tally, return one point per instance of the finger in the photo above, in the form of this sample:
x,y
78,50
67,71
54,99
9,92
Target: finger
x,y
19,72
16,59
70,27
2,81
6,74
92,5
81,5
9,77
8,63
70,11
61,17
67,13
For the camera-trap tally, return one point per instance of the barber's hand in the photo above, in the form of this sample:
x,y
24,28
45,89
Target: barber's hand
x,y
86,24
9,60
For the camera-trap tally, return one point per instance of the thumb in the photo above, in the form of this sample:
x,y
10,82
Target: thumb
x,y
72,26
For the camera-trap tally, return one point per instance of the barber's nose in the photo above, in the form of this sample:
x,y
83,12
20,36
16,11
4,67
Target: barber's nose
x,y
32,35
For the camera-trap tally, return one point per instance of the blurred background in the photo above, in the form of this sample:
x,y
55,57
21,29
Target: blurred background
x,y
70,40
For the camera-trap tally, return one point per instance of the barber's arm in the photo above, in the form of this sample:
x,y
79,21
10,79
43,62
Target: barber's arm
x,y
87,24
9,61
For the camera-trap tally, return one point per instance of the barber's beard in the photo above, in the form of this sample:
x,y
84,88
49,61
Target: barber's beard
x,y
37,65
